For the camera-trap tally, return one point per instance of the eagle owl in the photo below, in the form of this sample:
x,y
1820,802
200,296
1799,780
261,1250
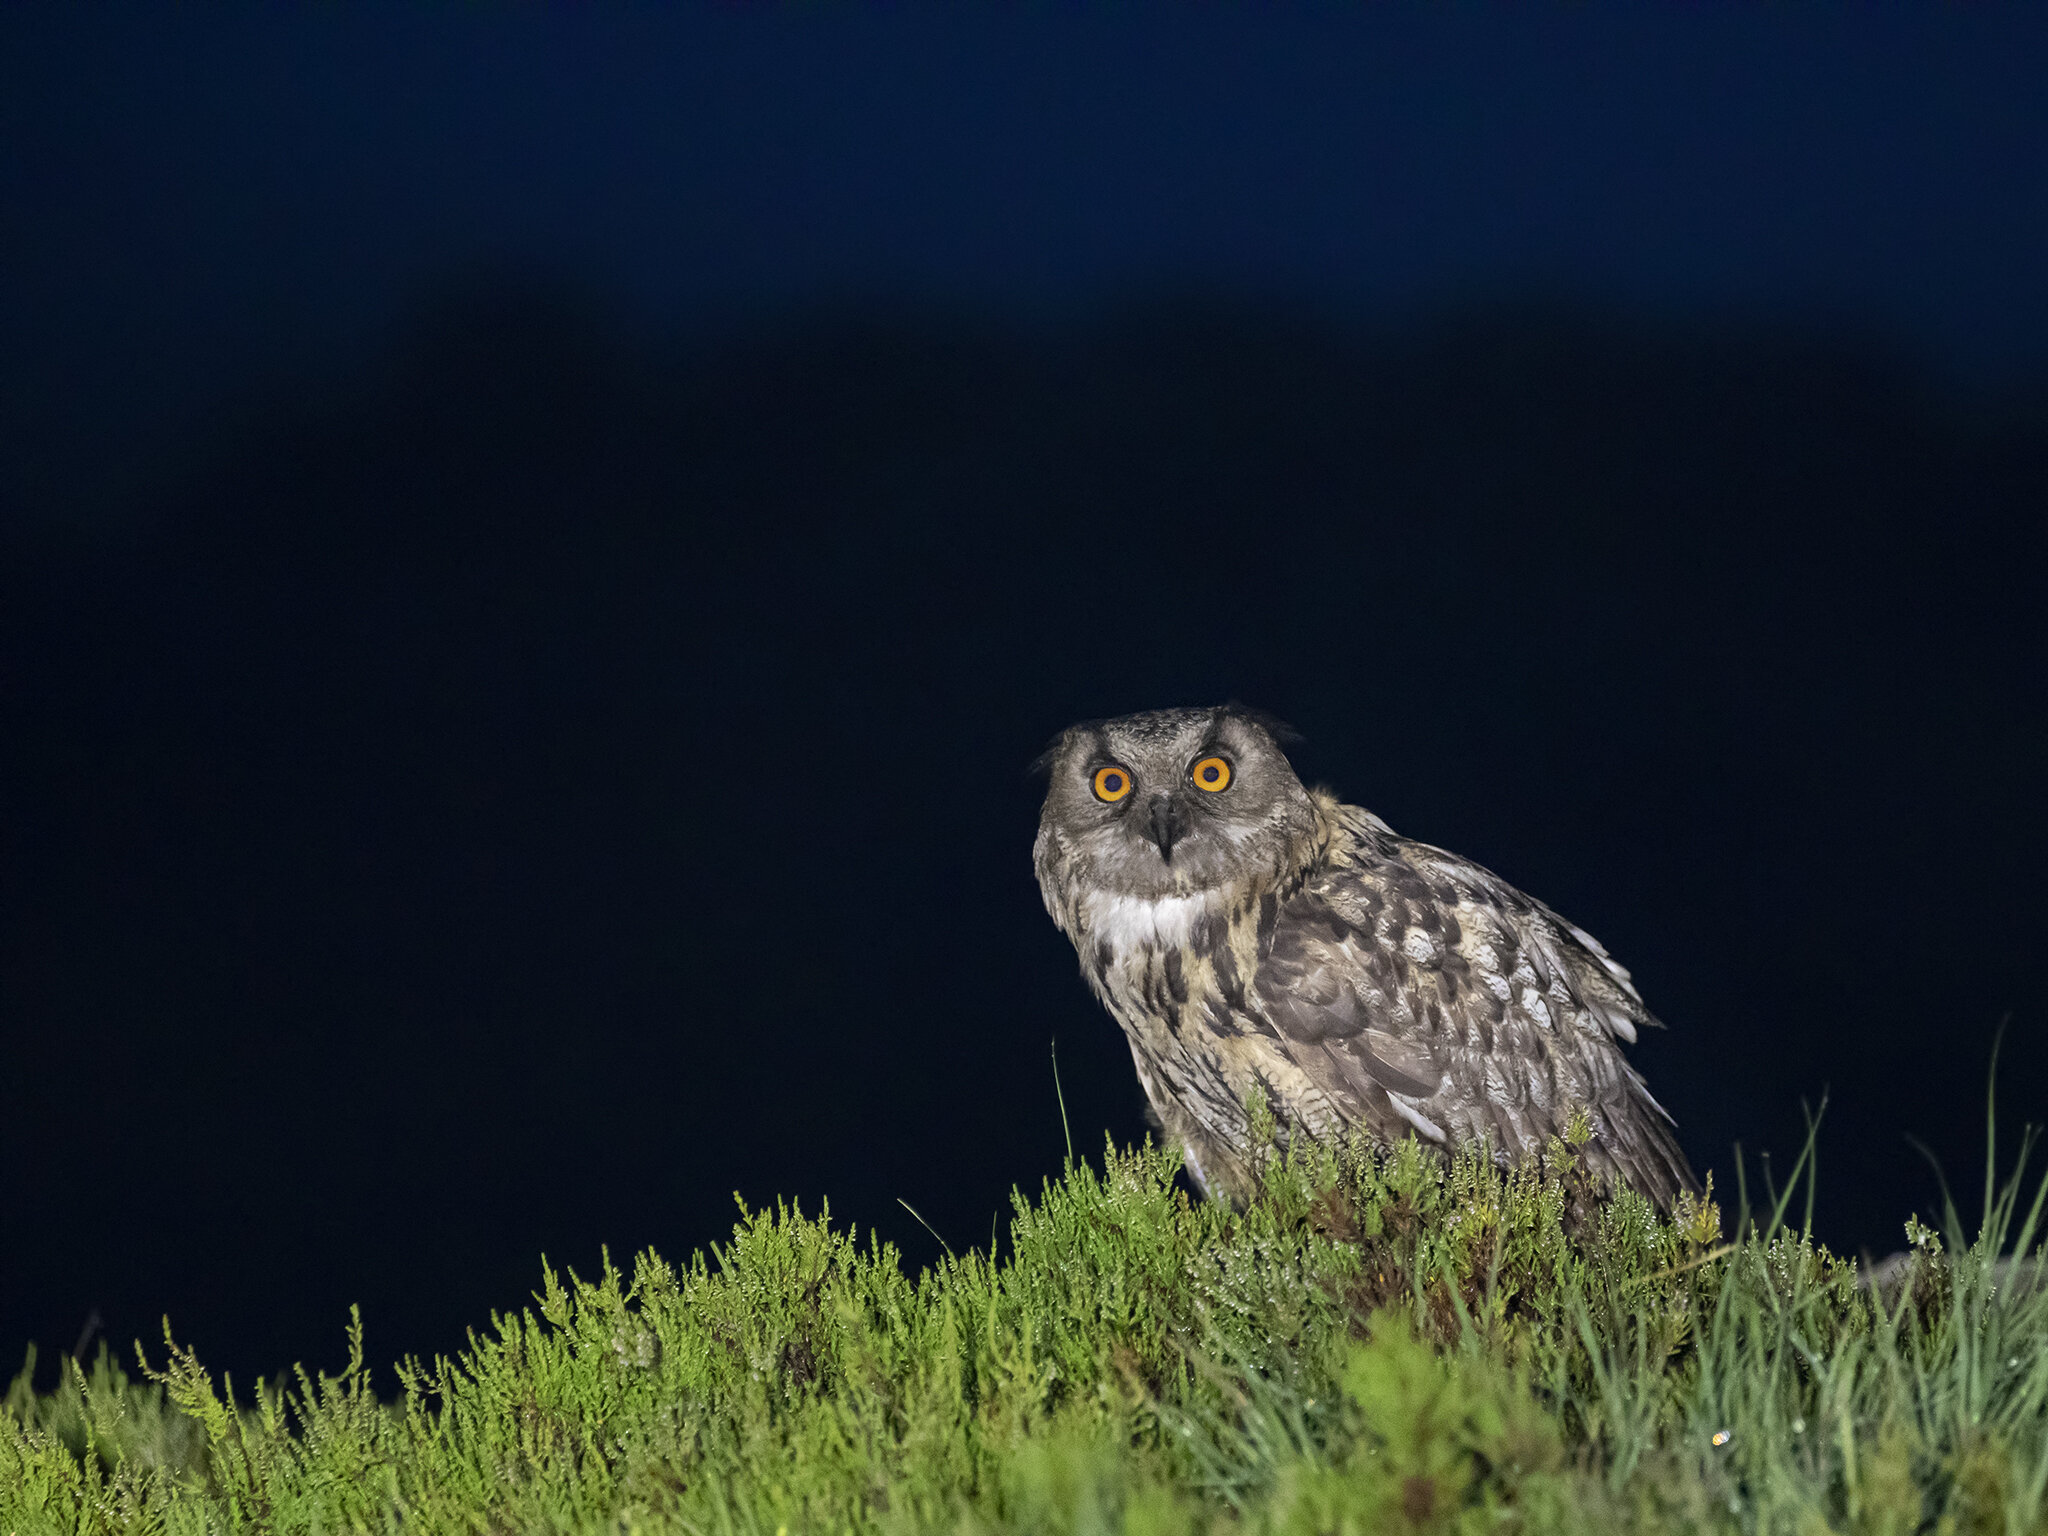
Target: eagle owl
x,y
1248,933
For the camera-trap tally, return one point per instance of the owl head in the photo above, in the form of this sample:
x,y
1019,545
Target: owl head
x,y
1172,802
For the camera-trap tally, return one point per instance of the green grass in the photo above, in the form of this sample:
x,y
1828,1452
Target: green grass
x,y
1379,1344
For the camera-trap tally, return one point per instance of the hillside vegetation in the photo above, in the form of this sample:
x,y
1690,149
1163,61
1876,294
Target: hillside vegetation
x,y
1380,1343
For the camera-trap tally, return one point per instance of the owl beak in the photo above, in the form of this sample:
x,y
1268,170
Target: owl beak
x,y
1166,826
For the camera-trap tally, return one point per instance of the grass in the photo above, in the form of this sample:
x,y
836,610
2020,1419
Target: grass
x,y
1381,1343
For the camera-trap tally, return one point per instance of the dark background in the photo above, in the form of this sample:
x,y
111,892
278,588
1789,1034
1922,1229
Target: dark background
x,y
537,548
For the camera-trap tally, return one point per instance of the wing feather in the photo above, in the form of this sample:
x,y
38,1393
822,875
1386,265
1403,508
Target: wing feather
x,y
1433,995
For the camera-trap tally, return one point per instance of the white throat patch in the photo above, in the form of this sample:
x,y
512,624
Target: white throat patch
x,y
1126,923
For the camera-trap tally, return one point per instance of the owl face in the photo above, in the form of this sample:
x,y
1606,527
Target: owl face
x,y
1173,802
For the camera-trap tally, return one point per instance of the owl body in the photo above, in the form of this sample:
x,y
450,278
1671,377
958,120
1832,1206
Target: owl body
x,y
1252,936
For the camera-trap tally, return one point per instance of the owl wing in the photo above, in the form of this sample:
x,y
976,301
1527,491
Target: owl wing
x,y
1417,990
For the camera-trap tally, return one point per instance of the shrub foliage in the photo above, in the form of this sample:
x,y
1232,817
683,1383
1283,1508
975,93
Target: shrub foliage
x,y
1382,1342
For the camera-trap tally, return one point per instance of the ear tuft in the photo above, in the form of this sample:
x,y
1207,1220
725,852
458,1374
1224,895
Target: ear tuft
x,y
1272,725
1042,764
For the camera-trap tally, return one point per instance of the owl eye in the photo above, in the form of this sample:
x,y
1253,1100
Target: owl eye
x,y
1212,774
1112,784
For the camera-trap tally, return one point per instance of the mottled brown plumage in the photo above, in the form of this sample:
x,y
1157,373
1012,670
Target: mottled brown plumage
x,y
1262,936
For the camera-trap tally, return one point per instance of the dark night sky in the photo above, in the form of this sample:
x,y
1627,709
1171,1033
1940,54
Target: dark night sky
x,y
535,549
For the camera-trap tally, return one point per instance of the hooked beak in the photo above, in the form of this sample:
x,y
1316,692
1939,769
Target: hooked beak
x,y
1166,825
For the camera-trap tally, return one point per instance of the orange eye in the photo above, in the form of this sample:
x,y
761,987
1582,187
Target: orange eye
x,y
1112,784
1212,774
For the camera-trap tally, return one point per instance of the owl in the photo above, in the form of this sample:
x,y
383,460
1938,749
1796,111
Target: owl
x,y
1252,934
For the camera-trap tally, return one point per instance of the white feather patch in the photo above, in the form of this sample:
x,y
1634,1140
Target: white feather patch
x,y
1405,1108
1126,923
1614,967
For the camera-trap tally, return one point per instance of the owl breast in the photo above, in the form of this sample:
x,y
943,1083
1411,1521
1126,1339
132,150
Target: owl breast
x,y
1172,971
